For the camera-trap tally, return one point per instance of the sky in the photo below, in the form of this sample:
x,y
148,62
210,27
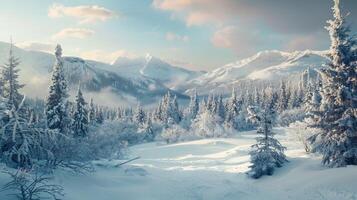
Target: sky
x,y
195,34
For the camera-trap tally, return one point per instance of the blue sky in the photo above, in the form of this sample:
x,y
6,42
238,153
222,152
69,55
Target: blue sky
x,y
197,34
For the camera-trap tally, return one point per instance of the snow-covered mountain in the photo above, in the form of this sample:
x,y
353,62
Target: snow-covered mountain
x,y
146,79
104,85
265,65
153,68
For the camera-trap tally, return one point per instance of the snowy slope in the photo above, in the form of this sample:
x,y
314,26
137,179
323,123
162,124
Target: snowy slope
x,y
265,65
154,68
107,87
210,169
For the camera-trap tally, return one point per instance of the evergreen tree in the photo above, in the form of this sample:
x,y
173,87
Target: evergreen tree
x,y
233,110
193,107
56,103
175,113
9,81
139,115
267,153
283,98
221,112
99,117
147,129
256,97
337,118
80,121
91,113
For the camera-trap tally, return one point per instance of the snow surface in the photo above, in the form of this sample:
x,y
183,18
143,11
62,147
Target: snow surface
x,y
210,169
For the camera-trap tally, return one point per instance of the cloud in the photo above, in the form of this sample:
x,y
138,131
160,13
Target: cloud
x,y
36,46
84,13
309,41
173,36
282,15
291,19
199,12
240,41
107,57
79,33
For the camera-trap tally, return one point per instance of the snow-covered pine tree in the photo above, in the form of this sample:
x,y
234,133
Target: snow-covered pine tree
x,y
283,98
257,100
99,115
193,107
147,130
337,140
56,103
9,79
294,100
233,109
91,113
80,116
17,137
221,112
207,123
175,113
157,116
139,116
267,153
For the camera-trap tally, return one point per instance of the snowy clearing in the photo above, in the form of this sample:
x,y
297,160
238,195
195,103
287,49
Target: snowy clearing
x,y
210,169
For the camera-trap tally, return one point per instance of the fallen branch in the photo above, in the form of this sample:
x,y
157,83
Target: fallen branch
x,y
120,164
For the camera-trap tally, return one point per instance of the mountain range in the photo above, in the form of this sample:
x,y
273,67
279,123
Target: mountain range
x,y
129,81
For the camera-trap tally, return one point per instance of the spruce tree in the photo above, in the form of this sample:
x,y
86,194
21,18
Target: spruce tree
x,y
337,119
56,103
233,110
193,107
267,153
10,85
147,129
139,116
99,116
80,117
175,113
221,112
91,113
283,98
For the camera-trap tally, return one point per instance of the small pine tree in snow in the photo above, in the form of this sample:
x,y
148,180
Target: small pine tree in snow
x,y
193,107
99,117
337,120
233,110
91,113
139,115
283,98
267,153
221,111
257,100
56,103
10,84
175,111
80,117
147,130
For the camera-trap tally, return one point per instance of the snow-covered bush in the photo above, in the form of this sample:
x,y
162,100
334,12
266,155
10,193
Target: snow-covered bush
x,y
31,185
105,143
303,132
176,133
289,116
208,125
